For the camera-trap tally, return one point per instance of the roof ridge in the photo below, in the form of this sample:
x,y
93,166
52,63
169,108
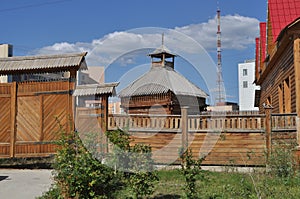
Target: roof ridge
x,y
32,57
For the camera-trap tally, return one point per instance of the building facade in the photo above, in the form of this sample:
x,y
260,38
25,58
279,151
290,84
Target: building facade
x,y
247,87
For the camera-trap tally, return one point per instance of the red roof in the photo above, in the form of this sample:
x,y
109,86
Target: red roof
x,y
282,13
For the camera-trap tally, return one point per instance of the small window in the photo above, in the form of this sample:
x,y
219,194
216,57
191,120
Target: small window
x,y
245,72
245,84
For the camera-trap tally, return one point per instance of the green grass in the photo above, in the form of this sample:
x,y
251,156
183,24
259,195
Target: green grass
x,y
225,185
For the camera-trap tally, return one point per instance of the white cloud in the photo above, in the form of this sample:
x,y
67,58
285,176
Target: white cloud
x,y
237,33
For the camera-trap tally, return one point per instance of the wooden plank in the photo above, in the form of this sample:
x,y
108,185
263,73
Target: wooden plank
x,y
13,111
28,117
41,119
5,119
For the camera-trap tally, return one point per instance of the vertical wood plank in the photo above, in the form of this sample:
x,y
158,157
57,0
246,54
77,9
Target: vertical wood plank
x,y
268,126
13,111
297,80
184,128
104,120
41,118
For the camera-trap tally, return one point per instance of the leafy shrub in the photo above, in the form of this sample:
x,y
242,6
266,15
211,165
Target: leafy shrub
x,y
136,161
191,169
78,175
281,161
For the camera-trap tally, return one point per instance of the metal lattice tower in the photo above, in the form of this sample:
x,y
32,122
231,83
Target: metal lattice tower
x,y
220,93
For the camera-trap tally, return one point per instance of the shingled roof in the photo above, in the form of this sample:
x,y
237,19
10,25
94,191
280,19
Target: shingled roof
x,y
96,89
42,63
161,80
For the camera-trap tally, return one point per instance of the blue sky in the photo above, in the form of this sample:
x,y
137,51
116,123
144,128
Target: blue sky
x,y
109,30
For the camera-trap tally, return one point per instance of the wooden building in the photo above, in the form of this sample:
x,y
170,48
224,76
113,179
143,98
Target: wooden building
x,y
278,58
278,63
162,90
39,97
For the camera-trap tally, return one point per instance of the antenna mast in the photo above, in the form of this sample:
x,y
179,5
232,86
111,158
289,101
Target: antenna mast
x,y
220,96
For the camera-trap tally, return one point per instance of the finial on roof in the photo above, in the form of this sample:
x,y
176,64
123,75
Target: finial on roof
x,y
162,39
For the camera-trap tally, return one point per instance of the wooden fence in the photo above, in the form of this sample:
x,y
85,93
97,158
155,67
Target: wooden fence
x,y
29,115
224,139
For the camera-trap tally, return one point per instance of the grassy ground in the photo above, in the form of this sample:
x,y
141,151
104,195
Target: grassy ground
x,y
226,185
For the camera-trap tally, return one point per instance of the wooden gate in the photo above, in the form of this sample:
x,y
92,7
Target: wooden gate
x,y
29,115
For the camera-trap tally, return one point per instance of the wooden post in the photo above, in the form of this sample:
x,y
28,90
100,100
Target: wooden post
x,y
104,120
184,128
268,126
13,113
297,95
41,118
71,105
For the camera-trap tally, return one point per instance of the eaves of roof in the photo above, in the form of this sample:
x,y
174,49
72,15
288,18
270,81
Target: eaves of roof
x,y
42,63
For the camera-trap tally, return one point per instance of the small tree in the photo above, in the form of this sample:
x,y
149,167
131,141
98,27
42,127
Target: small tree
x,y
191,170
77,174
136,161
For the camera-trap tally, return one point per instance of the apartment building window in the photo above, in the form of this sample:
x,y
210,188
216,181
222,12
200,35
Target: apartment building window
x,y
245,72
245,84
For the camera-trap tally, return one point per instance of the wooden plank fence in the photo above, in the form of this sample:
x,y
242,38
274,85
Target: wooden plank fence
x,y
226,139
29,112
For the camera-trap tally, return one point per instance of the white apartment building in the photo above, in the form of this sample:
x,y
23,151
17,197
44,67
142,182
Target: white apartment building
x,y
246,76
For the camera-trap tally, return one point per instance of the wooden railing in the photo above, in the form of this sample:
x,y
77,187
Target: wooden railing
x,y
145,122
226,123
196,123
232,122
284,122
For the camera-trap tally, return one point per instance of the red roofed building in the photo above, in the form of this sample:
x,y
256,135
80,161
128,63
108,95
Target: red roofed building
x,y
278,60
277,64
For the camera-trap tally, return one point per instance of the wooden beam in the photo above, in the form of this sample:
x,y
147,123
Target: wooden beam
x,y
184,128
268,126
41,118
13,115
297,79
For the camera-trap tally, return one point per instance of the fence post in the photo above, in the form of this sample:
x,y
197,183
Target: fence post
x,y
104,121
297,150
184,128
13,113
268,126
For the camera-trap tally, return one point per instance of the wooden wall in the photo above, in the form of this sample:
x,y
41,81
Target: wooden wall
x,y
281,71
29,117
167,103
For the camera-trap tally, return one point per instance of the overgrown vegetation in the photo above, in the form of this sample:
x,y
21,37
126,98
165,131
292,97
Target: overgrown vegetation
x,y
77,174
129,173
136,161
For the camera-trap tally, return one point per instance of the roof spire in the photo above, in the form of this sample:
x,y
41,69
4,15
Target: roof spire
x,y
162,39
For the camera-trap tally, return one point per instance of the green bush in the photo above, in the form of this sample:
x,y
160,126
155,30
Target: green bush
x,y
281,161
191,170
136,161
78,175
